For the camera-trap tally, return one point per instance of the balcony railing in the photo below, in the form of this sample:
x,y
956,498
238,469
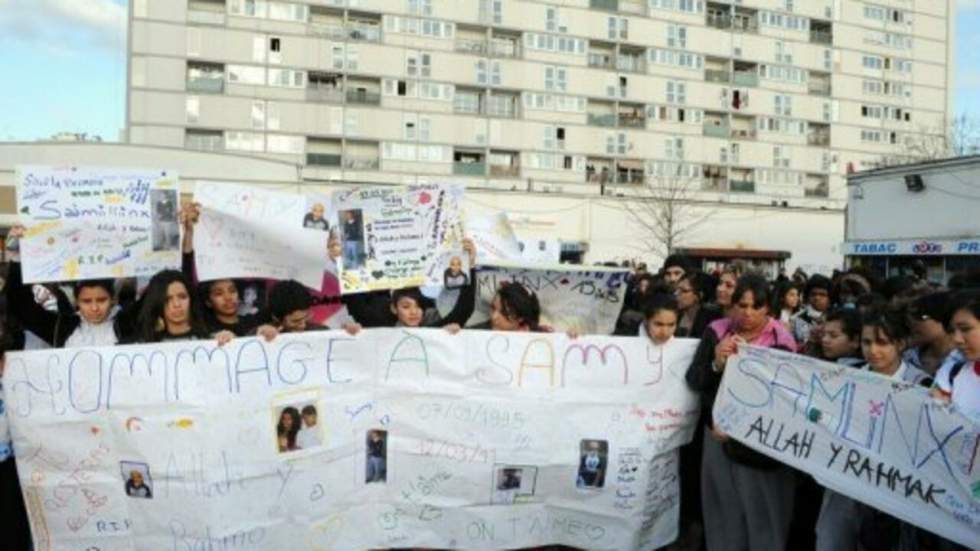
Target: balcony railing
x,y
821,191
745,24
719,21
634,177
631,64
501,107
206,85
821,37
630,120
608,5
363,96
469,169
204,143
505,171
361,163
712,184
819,87
325,93
741,186
503,48
716,130
746,78
716,75
368,33
323,159
206,17
602,61
469,46
818,139
743,133
602,120
332,31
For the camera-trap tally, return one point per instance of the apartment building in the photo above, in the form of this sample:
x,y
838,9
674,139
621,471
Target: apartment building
x,y
767,102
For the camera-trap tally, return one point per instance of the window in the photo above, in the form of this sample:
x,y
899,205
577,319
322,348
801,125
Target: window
x,y
677,58
783,105
554,78
555,43
246,74
278,143
244,141
690,6
481,71
676,92
780,156
677,36
193,109
551,19
618,28
491,11
674,149
258,115
616,143
419,7
287,77
872,62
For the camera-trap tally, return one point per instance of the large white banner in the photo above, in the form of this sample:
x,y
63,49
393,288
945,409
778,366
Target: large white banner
x,y
882,442
90,223
246,232
392,438
395,237
587,299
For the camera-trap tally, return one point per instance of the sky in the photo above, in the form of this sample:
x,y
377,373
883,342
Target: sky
x,y
64,66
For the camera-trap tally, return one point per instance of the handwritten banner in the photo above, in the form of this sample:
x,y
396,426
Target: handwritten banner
x,y
588,300
494,238
395,237
249,232
392,438
882,442
90,223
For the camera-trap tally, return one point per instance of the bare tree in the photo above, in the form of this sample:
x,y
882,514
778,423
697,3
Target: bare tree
x,y
961,137
665,207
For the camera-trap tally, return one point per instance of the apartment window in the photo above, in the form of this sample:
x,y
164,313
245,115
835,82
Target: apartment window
x,y
258,115
676,92
872,62
677,36
616,143
780,157
555,78
618,28
271,115
783,53
279,143
246,74
551,19
674,149
783,105
690,6
193,109
410,124
193,42
419,7
491,11
288,78
244,141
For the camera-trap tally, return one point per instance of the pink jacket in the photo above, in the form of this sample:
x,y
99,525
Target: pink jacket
x,y
773,336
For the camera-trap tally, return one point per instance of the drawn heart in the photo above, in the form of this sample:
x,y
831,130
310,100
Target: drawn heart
x,y
317,493
378,274
595,532
424,198
76,523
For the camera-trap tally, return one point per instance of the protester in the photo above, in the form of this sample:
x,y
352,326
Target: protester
x,y
726,286
695,311
960,382
674,268
787,303
167,311
840,339
803,324
515,308
932,347
661,319
747,498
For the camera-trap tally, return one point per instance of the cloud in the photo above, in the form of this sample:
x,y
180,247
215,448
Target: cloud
x,y
65,25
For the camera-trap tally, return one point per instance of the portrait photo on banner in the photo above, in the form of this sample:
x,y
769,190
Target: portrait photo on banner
x,y
297,426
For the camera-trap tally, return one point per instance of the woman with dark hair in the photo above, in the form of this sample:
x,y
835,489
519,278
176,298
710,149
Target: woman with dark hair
x,y
287,429
747,498
960,383
168,311
727,280
786,302
515,308
840,339
695,312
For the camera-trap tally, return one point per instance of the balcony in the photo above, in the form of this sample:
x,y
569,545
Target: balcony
x,y
819,87
469,168
629,177
325,94
631,63
471,46
366,33
204,140
323,159
717,130
504,171
741,186
360,163
607,5
821,37
502,106
504,47
608,120
206,85
743,133
716,75
602,61
719,21
206,17
746,78
631,120
745,24
332,31
363,97
819,138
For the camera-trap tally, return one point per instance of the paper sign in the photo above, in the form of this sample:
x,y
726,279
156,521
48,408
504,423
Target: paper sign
x,y
882,442
321,440
91,223
540,251
395,237
247,232
494,239
586,299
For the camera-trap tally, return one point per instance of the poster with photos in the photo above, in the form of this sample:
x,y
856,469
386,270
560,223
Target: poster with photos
x,y
395,237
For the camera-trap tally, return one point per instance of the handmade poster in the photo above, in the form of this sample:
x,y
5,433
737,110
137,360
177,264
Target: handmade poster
x,y
91,223
494,238
878,441
394,237
391,438
586,299
247,232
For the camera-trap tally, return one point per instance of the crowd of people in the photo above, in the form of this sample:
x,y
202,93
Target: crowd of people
x,y
732,497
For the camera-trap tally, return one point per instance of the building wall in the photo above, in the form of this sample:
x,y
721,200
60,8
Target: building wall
x,y
403,137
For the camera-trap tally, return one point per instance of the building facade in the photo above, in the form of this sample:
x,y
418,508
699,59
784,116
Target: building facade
x,y
922,215
765,103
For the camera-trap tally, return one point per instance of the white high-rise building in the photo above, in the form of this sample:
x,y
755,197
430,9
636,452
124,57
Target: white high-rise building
x,y
758,102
